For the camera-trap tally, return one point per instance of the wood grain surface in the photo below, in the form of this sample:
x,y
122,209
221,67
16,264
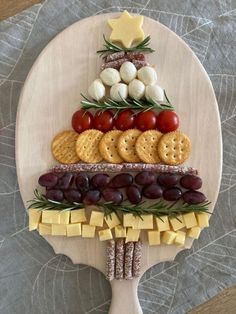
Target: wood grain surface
x,y
51,94
224,302
11,7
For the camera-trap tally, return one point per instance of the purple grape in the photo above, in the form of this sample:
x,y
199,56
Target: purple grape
x,y
172,194
168,179
55,195
65,181
92,197
72,196
112,195
121,180
48,180
133,194
194,197
152,191
145,178
190,181
82,182
100,180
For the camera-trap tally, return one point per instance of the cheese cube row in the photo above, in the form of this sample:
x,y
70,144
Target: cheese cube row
x,y
178,237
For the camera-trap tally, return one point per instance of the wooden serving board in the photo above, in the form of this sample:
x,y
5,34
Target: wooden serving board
x,y
51,94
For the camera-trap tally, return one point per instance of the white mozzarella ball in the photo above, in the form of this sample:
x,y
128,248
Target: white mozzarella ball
x,y
154,93
136,89
119,91
97,90
110,76
128,71
147,75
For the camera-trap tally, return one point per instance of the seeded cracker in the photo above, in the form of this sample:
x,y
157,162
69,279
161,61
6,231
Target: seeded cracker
x,y
87,146
63,147
126,145
174,148
146,146
108,147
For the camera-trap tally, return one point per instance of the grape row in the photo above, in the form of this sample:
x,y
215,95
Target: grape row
x,y
90,190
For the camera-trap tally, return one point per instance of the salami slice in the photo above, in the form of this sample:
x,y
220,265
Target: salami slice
x,y
120,254
129,252
136,56
116,64
137,259
110,263
114,56
139,63
107,167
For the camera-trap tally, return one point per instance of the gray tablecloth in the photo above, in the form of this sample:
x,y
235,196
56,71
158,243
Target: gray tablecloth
x,y
35,280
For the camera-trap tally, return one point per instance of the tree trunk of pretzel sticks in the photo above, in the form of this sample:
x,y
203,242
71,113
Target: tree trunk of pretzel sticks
x,y
125,297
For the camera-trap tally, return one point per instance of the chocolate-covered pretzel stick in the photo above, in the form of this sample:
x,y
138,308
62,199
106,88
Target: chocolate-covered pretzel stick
x,y
107,167
129,252
110,264
137,258
120,254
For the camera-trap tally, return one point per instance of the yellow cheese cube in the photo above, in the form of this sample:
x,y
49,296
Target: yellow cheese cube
x,y
58,230
73,230
78,215
120,232
96,219
154,237
190,220
105,235
168,237
194,232
56,217
143,222
202,220
50,216
177,222
112,220
128,220
34,218
132,235
88,231
64,217
45,229
180,238
162,223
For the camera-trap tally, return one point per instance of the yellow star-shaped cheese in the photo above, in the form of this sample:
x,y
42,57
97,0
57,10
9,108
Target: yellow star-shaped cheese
x,y
127,29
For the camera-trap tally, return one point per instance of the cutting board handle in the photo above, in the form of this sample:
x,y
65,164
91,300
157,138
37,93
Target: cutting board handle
x,y
125,297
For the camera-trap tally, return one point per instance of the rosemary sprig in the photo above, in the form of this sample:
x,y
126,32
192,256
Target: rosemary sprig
x,y
141,105
110,47
157,209
41,203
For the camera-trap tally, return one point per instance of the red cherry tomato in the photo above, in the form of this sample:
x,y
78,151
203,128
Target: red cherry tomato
x,y
103,121
82,120
145,120
125,120
167,121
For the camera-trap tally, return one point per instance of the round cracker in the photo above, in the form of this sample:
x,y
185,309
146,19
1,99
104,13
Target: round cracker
x,y
108,146
126,145
174,148
87,146
146,146
63,147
